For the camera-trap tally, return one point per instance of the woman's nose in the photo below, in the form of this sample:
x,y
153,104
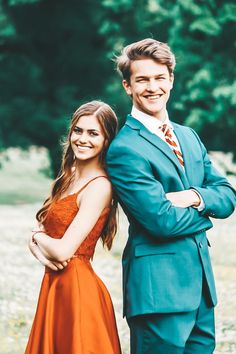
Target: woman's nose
x,y
83,138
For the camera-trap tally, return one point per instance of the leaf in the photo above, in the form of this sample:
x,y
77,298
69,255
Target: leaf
x,y
207,25
227,13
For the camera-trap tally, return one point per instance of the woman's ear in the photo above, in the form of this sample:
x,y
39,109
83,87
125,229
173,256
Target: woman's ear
x,y
106,143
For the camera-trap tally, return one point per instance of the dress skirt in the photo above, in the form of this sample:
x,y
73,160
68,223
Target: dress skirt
x,y
74,314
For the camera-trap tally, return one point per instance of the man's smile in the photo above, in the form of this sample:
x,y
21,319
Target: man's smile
x,y
153,97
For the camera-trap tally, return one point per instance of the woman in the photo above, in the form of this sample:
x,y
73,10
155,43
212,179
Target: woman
x,y
75,313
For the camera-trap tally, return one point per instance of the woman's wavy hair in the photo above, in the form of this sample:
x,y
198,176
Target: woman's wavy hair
x,y
109,124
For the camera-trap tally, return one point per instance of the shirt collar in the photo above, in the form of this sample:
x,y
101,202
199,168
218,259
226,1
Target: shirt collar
x,y
149,121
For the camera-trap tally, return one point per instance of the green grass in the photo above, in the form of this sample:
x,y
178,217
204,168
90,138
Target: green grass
x,y
22,179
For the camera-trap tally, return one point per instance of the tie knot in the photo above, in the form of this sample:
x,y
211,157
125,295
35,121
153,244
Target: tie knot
x,y
165,129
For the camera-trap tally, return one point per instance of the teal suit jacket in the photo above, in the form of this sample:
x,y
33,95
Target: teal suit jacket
x,y
166,254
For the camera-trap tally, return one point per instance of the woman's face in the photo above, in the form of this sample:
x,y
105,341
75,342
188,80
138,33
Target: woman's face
x,y
87,139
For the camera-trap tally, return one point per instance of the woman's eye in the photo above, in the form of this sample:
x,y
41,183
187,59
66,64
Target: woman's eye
x,y
93,134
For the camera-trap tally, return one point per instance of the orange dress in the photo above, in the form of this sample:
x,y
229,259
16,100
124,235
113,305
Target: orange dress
x,y
75,313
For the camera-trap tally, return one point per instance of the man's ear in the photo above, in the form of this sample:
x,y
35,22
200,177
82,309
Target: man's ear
x,y
127,87
172,80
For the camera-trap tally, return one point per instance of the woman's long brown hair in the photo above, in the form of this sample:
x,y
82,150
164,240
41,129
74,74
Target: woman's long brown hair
x,y
109,123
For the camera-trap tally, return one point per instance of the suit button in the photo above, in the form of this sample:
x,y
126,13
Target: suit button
x,y
200,244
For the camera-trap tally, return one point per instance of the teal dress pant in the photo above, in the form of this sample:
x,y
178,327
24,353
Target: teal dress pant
x,y
175,333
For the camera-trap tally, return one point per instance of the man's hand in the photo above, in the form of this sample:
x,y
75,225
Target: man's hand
x,y
35,250
184,199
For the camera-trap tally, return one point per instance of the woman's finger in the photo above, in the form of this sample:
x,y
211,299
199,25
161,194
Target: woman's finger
x,y
58,265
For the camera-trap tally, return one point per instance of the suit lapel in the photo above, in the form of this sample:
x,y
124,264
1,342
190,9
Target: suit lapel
x,y
160,144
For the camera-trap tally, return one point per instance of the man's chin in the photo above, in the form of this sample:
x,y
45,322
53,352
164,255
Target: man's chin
x,y
152,111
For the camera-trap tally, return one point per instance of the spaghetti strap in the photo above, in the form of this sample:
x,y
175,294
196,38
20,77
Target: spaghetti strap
x,y
86,184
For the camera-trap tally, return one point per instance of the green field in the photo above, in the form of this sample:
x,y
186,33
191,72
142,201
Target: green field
x,y
23,176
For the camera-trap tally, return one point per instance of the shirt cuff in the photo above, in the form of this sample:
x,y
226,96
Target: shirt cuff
x,y
201,206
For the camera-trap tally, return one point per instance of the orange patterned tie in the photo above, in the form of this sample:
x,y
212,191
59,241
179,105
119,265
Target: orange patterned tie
x,y
169,139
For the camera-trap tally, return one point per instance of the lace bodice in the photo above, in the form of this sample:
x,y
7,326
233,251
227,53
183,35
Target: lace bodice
x,y
61,214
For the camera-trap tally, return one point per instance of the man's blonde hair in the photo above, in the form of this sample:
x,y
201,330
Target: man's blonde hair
x,y
145,49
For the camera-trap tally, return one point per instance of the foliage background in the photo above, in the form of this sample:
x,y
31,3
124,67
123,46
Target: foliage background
x,y
56,55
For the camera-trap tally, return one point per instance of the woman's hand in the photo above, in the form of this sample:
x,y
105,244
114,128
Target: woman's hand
x,y
37,253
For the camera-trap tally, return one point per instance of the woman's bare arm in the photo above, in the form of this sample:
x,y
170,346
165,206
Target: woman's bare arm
x,y
37,253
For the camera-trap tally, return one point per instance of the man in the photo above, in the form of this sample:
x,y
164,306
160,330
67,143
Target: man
x,y
169,190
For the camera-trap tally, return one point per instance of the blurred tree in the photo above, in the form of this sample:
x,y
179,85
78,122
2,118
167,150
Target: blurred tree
x,y
56,55
52,60
203,39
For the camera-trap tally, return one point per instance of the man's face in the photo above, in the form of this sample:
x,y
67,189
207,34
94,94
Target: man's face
x,y
149,86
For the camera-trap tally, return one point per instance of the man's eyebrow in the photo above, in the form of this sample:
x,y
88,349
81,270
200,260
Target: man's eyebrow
x,y
141,76
147,76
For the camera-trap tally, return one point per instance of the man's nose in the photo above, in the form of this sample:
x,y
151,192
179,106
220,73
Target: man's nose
x,y
152,85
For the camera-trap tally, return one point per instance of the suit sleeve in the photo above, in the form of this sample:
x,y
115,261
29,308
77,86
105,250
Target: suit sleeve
x,y
218,195
144,197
